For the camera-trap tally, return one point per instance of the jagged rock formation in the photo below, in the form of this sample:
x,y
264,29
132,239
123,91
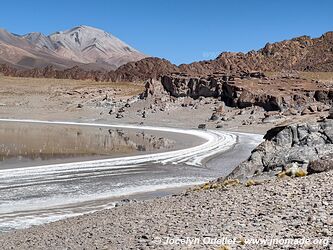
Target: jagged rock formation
x,y
296,143
84,46
153,88
243,90
181,85
301,53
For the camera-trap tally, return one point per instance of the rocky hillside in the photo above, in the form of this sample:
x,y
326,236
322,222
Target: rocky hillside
x,y
83,46
302,54
242,90
151,67
146,68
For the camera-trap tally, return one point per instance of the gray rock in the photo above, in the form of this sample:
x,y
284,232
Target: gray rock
x,y
112,110
297,143
202,126
214,117
273,118
224,118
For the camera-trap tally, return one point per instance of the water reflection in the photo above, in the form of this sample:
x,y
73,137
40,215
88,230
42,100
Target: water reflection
x,y
21,142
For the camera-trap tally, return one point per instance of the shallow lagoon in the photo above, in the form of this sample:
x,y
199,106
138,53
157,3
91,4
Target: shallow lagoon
x,y
26,144
33,192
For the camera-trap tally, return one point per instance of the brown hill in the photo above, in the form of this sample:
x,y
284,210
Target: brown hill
x,y
151,67
302,54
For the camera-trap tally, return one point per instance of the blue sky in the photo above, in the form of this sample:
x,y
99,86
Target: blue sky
x,y
181,31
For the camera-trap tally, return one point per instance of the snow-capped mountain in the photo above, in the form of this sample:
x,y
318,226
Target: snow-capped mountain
x,y
83,45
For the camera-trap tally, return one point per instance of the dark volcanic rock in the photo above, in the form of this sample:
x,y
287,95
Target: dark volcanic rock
x,y
297,143
321,165
151,67
202,126
180,86
244,90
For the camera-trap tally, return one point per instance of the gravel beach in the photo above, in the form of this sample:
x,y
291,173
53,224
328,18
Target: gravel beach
x,y
288,208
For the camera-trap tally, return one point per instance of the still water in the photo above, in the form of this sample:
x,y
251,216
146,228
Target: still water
x,y
51,171
25,144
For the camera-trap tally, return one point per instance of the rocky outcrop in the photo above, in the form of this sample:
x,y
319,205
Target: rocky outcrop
x,y
292,144
240,89
244,90
216,85
301,53
153,88
182,86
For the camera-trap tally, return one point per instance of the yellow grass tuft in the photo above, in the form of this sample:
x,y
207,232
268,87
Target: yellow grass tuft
x,y
250,183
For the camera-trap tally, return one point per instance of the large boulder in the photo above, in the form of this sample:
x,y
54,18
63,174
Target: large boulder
x,y
322,165
153,88
296,143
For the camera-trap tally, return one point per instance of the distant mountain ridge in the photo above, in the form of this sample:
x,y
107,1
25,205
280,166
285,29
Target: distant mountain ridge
x,y
301,54
84,46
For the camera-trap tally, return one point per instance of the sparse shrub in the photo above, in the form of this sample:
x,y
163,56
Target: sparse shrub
x,y
217,185
250,183
300,172
230,182
281,174
293,170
